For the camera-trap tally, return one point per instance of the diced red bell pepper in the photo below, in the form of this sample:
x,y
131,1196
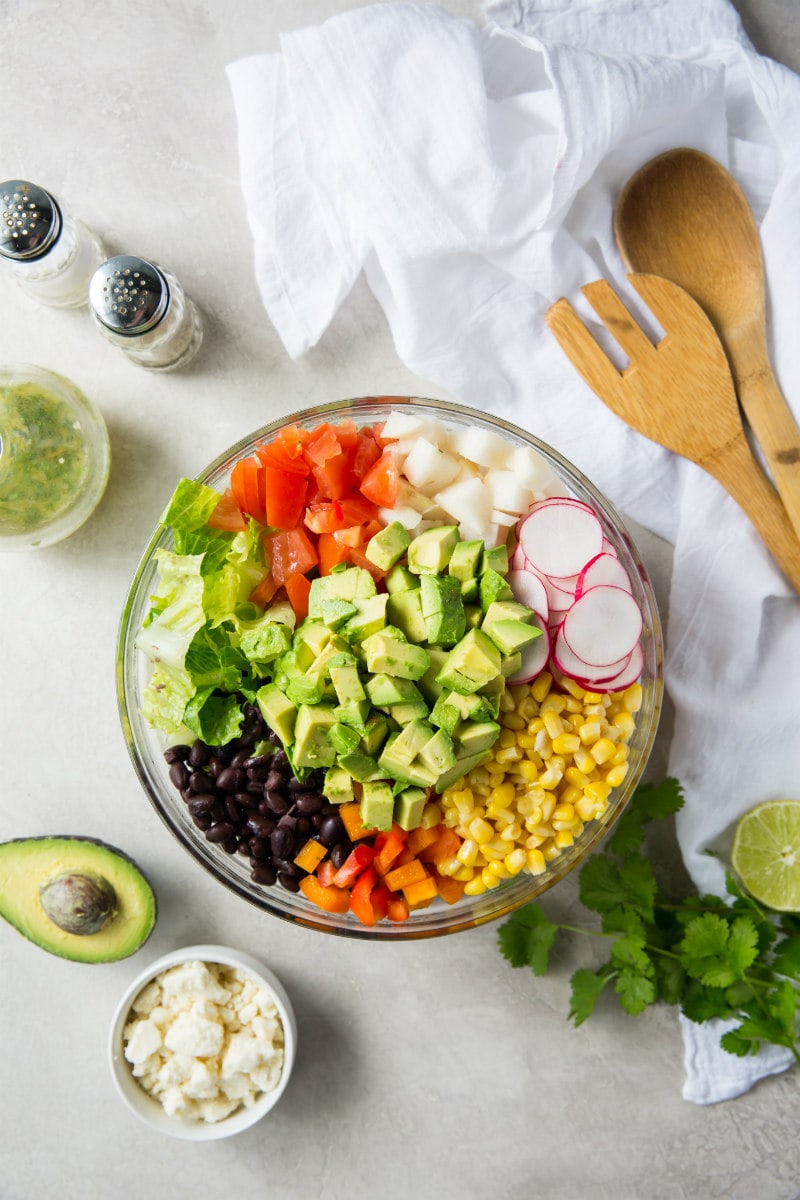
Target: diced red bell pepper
x,y
361,896
379,899
359,858
325,873
290,552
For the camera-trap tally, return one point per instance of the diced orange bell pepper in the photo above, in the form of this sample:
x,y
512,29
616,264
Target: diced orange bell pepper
x,y
419,839
391,846
400,877
351,816
422,890
451,890
447,845
310,855
397,908
331,899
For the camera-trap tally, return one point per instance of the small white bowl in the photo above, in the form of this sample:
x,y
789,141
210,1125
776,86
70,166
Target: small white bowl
x,y
145,1106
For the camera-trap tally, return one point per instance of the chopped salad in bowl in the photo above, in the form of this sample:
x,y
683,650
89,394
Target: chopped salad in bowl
x,y
390,667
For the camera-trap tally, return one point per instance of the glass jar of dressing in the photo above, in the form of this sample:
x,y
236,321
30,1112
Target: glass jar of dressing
x,y
54,457
142,308
51,254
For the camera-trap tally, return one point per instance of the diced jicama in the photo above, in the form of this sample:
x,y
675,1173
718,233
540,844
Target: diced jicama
x,y
529,589
411,497
532,470
405,423
604,569
535,655
482,446
408,517
508,494
469,501
428,468
603,626
503,519
560,536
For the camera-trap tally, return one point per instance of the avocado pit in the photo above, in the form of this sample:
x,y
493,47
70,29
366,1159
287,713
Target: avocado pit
x,y
78,903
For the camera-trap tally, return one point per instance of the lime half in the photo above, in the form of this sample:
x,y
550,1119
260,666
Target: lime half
x,y
766,853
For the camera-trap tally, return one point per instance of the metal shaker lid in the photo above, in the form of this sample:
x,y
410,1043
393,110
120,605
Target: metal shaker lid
x,y
30,220
128,295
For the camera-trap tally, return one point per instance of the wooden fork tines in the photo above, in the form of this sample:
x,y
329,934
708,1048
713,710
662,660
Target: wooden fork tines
x,y
678,393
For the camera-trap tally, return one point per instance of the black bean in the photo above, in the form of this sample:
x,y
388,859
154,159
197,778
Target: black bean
x,y
331,830
240,758
285,866
297,785
220,832
274,739
214,767
263,873
339,854
231,779
259,848
231,844
199,754
318,819
243,848
200,782
217,810
202,820
303,826
186,794
247,799
308,803
279,760
201,804
234,810
282,842
276,802
260,772
260,826
179,775
257,760
290,882
274,780
176,754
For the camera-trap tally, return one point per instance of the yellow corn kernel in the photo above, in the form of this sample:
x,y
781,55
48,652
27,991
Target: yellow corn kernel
x,y
554,703
532,818
515,861
467,852
452,818
541,686
615,776
464,874
512,721
506,738
535,726
475,887
563,812
533,842
431,815
550,778
576,776
598,791
584,763
528,770
526,741
498,869
621,755
553,724
563,839
624,722
512,832
543,830
489,879
536,863
509,755
586,808
566,743
602,750
506,702
528,709
632,697
589,732
551,851
504,795
448,866
496,777
592,698
480,830
575,690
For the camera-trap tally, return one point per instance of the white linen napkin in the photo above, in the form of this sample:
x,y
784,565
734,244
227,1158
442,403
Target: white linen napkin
x,y
471,175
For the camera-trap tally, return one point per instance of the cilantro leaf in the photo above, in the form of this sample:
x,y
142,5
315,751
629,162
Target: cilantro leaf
x,y
640,886
701,1004
717,953
669,979
526,938
786,957
629,951
635,991
628,834
739,1043
650,802
586,986
605,887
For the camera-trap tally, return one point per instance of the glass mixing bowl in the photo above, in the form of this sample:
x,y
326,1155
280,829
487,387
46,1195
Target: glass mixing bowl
x,y
146,747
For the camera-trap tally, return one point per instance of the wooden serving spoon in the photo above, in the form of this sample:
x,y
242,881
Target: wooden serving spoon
x,y
684,217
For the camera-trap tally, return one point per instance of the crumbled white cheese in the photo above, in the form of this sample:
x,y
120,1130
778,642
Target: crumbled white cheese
x,y
204,1039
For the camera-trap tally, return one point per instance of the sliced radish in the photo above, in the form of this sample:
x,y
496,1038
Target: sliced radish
x,y
535,656
609,548
606,570
560,537
518,560
630,674
529,589
568,663
559,597
603,626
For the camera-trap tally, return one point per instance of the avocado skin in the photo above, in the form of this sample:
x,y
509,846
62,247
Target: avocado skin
x,y
126,931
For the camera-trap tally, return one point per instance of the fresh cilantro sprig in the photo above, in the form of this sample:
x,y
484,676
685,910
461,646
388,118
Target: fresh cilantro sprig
x,y
713,956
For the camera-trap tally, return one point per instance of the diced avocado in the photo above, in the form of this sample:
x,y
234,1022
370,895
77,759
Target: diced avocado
x,y
361,767
336,613
510,664
460,768
377,806
314,635
350,584
400,579
412,710
428,684
386,690
297,660
404,609
471,664
278,711
408,807
348,684
473,707
511,636
493,587
338,786
475,737
369,619
473,615
344,738
442,609
353,713
506,610
305,689
265,642
444,714
411,739
388,545
438,753
386,656
470,591
465,560
312,746
495,559
336,652
396,766
375,731
495,686
429,552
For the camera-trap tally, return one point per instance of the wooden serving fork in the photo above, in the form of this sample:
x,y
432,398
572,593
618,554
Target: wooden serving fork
x,y
679,393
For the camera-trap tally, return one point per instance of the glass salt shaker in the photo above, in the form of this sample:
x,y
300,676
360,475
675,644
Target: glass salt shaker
x,y
142,309
51,254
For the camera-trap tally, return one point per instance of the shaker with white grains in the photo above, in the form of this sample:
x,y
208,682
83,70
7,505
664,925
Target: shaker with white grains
x,y
51,254
142,308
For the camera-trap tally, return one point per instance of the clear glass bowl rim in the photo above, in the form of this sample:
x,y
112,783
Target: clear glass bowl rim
x,y
436,920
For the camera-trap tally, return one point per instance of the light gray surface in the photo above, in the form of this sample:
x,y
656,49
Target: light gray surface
x,y
425,1070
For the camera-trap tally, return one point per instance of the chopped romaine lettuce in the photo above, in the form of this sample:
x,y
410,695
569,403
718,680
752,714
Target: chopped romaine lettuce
x,y
216,719
190,507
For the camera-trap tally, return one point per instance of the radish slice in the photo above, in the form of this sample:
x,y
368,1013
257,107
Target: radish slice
x,y
630,674
535,656
609,548
556,618
558,597
603,626
518,560
560,536
529,589
568,663
606,570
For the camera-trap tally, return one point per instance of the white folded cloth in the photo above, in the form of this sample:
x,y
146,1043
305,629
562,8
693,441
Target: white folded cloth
x,y
471,174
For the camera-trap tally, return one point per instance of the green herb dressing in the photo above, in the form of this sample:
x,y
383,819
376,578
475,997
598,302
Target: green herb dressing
x,y
44,457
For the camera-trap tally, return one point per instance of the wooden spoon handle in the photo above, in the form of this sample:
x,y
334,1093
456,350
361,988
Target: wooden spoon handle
x,y
742,477
776,431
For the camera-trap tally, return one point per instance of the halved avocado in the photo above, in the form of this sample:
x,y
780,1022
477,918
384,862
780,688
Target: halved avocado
x,y
75,897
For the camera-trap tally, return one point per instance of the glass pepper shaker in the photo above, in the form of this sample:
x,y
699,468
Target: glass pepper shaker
x,y
142,309
51,254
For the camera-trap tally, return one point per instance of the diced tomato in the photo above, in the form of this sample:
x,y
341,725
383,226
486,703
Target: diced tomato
x,y
265,592
330,553
285,497
335,477
358,558
361,896
322,445
245,487
380,482
297,588
349,537
356,509
325,517
290,552
367,452
227,515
